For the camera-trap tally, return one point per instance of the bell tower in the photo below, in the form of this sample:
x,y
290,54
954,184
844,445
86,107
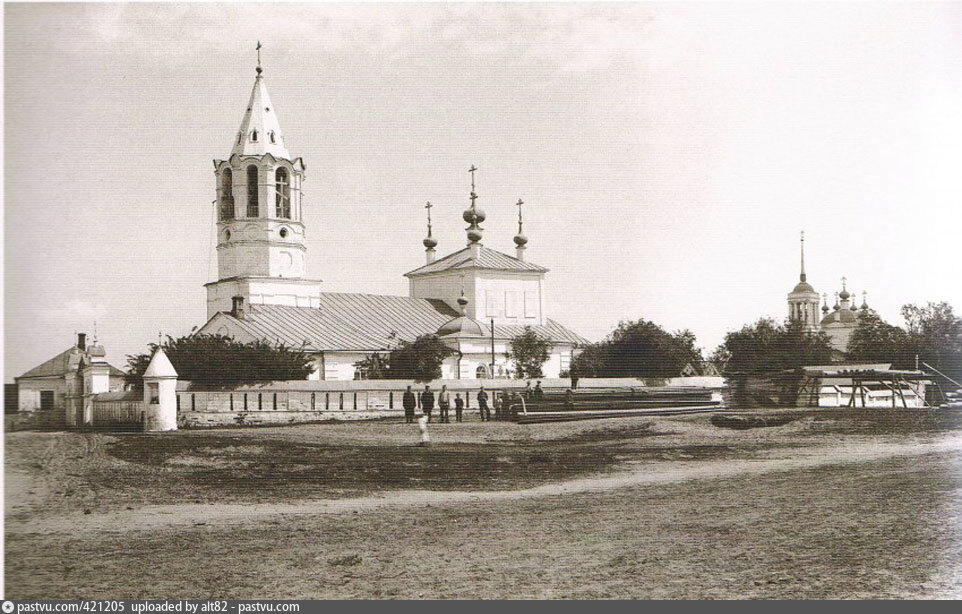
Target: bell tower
x,y
260,231
803,299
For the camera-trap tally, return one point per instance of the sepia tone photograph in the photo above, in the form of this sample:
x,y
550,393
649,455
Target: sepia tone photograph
x,y
480,301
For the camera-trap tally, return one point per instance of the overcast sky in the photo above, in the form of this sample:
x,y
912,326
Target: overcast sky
x,y
669,154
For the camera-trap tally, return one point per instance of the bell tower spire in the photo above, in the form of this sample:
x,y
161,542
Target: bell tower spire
x,y
261,243
429,242
801,277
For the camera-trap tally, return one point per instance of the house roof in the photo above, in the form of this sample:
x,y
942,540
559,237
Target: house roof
x,y
63,363
487,259
366,322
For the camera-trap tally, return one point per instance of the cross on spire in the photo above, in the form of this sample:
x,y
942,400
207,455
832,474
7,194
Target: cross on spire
x,y
259,69
474,196
518,205
843,284
428,207
802,275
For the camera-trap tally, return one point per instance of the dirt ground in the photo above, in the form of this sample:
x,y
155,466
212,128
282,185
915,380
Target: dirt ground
x,y
828,505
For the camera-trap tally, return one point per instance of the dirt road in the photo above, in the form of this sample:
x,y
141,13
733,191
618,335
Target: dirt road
x,y
153,517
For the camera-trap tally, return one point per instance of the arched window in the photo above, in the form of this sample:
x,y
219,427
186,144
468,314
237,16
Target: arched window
x,y
271,135
226,195
481,372
282,187
252,204
254,135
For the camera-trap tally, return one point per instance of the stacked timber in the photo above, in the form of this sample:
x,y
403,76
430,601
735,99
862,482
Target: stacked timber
x,y
597,403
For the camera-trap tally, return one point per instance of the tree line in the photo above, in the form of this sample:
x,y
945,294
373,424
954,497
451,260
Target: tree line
x,y
639,348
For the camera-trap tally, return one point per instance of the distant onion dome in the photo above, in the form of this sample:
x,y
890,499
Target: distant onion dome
x,y
854,307
520,240
430,242
474,235
463,302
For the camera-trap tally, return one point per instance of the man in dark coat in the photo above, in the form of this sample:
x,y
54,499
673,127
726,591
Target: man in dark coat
x,y
427,402
483,405
538,393
458,406
409,402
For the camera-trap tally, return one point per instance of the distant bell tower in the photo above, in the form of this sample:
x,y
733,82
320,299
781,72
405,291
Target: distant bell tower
x,y
260,233
803,299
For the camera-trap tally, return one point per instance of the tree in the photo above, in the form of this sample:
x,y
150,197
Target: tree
x,y
529,352
875,340
220,360
375,366
638,349
419,360
769,346
935,334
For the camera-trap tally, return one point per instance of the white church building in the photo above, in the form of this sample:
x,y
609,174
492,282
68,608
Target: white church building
x,y
838,322
476,299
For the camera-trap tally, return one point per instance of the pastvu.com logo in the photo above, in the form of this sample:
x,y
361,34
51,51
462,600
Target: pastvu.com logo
x,y
7,607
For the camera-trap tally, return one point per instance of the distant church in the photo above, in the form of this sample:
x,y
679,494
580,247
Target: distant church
x,y
263,291
838,322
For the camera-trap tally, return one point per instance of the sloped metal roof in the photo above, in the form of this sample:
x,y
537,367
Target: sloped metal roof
x,y
366,322
63,363
487,259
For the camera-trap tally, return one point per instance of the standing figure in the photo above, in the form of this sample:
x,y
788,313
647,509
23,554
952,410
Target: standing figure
x,y
423,419
458,406
538,391
483,405
409,403
527,391
427,402
444,404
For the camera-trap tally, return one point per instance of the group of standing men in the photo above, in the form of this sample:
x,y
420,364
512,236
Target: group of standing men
x,y
444,400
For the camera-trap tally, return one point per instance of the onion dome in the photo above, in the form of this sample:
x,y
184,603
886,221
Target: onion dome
x,y
825,304
844,295
520,239
474,235
461,326
472,214
854,307
803,286
837,306
430,242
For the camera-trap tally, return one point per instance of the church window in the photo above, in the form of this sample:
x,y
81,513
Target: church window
x,y
193,402
46,399
494,304
226,195
283,233
512,304
313,401
231,397
252,204
355,400
254,136
240,135
153,391
275,400
327,400
227,235
481,372
271,135
390,400
531,304
260,401
283,191
245,401
341,402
